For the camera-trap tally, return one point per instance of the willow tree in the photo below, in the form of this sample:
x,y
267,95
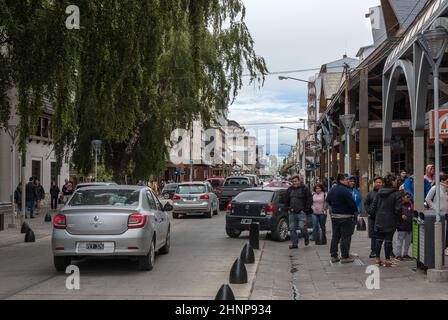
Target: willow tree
x,y
134,72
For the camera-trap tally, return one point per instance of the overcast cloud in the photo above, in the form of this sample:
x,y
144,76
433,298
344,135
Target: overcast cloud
x,y
293,35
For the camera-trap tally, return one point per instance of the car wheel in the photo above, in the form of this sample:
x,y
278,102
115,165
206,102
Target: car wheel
x,y
61,263
166,248
233,233
175,215
209,214
281,231
146,263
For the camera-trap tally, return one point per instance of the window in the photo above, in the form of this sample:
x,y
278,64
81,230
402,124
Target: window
x,y
255,196
152,203
191,189
36,169
100,197
43,128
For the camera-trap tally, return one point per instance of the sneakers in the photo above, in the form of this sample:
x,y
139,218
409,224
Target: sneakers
x,y
407,258
293,246
349,259
335,259
372,255
307,241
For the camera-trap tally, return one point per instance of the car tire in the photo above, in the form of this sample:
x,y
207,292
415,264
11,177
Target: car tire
x,y
146,263
175,215
166,248
233,233
61,263
280,233
209,214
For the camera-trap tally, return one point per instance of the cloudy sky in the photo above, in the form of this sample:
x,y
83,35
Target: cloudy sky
x,y
296,35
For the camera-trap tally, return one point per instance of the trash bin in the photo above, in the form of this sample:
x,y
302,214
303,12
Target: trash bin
x,y
426,254
415,232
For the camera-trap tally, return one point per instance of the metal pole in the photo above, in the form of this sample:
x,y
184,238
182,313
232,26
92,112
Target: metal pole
x,y
13,173
438,223
191,153
23,212
96,164
328,168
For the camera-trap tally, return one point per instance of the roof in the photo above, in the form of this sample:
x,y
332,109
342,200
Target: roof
x,y
190,183
331,83
407,10
115,187
265,189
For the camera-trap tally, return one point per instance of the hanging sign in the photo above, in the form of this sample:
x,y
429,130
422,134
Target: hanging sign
x,y
443,124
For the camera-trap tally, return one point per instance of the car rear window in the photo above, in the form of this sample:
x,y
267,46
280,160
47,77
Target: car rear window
x,y
237,181
255,196
104,197
172,186
215,183
191,189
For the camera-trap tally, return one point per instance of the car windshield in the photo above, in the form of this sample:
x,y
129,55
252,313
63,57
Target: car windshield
x,y
254,196
104,197
191,189
237,181
215,183
172,186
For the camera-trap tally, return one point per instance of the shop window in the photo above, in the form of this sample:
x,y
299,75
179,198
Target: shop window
x,y
36,169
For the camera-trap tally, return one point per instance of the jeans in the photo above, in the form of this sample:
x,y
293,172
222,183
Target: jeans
x,y
297,221
404,240
385,237
319,221
30,208
342,233
54,203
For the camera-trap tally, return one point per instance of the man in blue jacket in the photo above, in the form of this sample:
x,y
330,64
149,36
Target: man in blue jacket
x,y
343,212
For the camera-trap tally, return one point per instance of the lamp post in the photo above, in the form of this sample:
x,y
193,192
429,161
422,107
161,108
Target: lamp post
x,y
12,132
96,144
434,43
328,138
347,121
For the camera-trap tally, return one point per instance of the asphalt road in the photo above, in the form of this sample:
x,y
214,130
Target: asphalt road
x,y
198,264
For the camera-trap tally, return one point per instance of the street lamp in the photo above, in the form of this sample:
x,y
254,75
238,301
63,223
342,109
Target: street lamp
x,y
96,144
12,132
434,43
347,121
328,139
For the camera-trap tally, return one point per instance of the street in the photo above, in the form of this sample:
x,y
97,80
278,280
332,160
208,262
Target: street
x,y
198,264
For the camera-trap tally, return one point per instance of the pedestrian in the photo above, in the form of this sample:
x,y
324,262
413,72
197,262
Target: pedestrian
x,y
31,197
378,184
343,210
299,201
319,213
155,187
429,178
18,199
431,197
358,200
404,228
67,190
161,186
402,178
54,193
387,210
40,193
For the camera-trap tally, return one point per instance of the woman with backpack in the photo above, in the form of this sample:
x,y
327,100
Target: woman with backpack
x,y
319,212
386,209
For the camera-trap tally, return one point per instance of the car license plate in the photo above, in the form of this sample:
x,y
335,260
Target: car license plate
x,y
246,221
95,246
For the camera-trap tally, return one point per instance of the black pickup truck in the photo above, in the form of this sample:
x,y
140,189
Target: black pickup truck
x,y
232,187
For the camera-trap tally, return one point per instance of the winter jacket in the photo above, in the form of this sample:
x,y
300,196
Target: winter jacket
x,y
408,211
54,191
18,196
408,186
358,199
40,192
369,200
386,208
31,193
299,199
319,203
431,198
341,201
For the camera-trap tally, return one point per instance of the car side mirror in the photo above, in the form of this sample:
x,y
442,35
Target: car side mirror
x,y
168,207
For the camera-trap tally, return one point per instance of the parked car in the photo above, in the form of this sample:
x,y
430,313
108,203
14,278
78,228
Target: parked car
x,y
279,184
94,184
193,198
169,190
111,221
217,184
264,205
232,187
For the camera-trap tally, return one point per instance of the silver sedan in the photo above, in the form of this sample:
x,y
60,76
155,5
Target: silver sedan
x,y
194,198
111,221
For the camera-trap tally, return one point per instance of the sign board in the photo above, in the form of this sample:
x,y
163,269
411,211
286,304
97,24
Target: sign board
x,y
443,124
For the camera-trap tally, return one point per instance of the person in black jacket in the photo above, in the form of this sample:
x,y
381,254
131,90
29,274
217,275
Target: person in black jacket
x,y
386,208
378,184
343,212
31,197
299,201
18,198
54,192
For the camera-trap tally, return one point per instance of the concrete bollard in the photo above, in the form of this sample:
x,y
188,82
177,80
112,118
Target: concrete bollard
x,y
25,228
247,254
30,237
238,273
48,217
225,293
254,235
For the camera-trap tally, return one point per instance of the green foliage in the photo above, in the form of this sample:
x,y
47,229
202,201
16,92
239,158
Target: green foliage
x,y
134,72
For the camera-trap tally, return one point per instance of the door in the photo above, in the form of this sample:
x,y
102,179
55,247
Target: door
x,y
213,197
165,220
157,219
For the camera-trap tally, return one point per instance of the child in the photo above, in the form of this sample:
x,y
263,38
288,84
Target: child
x,y
405,229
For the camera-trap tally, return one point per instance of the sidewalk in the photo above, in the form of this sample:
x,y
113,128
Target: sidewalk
x,y
40,228
308,274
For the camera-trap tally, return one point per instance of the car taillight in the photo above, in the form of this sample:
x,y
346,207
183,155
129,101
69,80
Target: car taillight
x,y
270,209
176,197
229,208
204,197
60,222
137,221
